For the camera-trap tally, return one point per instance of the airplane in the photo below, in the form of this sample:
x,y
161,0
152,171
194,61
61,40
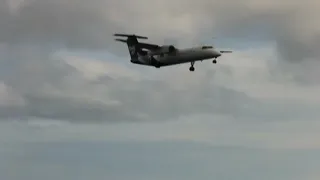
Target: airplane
x,y
166,55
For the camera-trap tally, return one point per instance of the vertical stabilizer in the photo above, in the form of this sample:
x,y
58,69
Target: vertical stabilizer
x,y
132,43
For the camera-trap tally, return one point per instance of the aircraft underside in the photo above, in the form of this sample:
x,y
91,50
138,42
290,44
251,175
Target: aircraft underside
x,y
151,61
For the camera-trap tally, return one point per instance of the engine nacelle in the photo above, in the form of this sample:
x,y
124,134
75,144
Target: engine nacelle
x,y
168,49
164,50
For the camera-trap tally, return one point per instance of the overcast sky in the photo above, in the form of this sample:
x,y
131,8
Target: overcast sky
x,y
73,107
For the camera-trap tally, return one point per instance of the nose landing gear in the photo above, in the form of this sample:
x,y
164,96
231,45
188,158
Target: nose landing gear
x,y
192,66
214,61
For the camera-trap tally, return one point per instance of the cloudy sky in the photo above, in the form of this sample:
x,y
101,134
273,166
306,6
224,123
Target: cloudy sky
x,y
73,107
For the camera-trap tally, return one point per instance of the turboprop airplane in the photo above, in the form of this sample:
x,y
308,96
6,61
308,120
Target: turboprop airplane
x,y
166,55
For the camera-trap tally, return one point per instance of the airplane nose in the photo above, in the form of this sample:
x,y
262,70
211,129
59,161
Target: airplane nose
x,y
216,53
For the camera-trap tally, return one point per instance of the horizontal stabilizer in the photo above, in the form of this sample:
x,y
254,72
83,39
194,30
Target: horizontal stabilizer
x,y
121,40
131,35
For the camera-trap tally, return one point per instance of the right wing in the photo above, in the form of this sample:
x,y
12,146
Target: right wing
x,y
225,51
148,46
142,45
135,37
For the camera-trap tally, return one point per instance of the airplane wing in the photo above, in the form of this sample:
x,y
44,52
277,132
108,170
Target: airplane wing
x,y
225,51
148,46
142,45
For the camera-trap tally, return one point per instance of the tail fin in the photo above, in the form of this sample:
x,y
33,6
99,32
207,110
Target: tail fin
x,y
133,47
132,43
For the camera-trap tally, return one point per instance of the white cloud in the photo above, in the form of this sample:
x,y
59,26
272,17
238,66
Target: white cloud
x,y
92,69
86,89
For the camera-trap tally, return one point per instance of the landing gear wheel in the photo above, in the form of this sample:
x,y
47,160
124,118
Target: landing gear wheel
x,y
191,68
214,61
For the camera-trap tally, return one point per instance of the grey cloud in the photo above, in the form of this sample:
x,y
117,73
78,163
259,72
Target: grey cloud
x,y
89,25
166,103
67,24
31,35
52,89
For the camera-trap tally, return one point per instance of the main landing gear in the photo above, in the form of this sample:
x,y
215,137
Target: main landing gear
x,y
192,66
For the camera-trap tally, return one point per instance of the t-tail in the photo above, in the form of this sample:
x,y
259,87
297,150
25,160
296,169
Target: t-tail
x,y
132,43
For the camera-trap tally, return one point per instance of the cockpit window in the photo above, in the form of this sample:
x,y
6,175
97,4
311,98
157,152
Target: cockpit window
x,y
207,47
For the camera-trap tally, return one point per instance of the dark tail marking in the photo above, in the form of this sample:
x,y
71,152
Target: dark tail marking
x,y
132,43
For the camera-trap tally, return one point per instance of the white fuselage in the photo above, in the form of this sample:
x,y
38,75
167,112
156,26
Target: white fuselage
x,y
183,56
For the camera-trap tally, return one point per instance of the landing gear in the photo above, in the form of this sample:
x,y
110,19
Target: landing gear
x,y
214,61
192,67
154,62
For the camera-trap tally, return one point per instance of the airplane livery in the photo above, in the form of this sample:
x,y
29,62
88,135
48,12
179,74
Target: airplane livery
x,y
166,55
